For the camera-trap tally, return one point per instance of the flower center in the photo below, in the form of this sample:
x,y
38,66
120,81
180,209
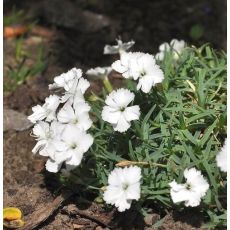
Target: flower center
x,y
188,186
143,73
75,121
48,111
125,186
73,146
122,109
48,134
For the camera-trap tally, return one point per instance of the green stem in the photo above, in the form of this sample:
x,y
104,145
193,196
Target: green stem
x,y
94,97
157,164
108,84
93,187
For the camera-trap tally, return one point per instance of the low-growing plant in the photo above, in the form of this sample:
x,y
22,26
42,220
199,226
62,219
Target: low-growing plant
x,y
154,143
18,74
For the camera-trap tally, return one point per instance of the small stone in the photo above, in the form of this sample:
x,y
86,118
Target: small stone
x,y
14,120
99,228
151,219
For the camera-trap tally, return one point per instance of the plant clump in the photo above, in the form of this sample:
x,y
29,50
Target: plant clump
x,y
133,146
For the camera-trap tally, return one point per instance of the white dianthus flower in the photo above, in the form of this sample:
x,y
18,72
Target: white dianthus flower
x,y
117,112
119,48
221,158
76,114
99,72
176,46
123,65
76,92
46,111
141,67
73,83
53,166
164,47
192,191
147,72
76,142
123,187
66,80
48,137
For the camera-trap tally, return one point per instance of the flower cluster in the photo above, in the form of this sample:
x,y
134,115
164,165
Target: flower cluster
x,y
61,124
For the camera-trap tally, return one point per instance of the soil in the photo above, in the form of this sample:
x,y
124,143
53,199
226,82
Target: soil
x,y
78,35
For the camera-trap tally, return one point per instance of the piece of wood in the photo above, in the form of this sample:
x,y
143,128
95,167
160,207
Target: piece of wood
x,y
42,214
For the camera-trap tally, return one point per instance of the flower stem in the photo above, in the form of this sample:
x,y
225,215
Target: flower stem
x,y
93,187
93,97
108,84
127,163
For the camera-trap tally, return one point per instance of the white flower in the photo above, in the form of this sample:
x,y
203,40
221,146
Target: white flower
x,y
76,91
139,66
117,111
53,166
123,65
48,137
99,72
147,71
176,45
221,158
76,114
73,83
165,47
119,48
66,80
192,191
70,148
123,187
77,142
48,110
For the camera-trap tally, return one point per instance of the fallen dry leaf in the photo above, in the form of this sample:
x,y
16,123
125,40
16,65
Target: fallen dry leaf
x,y
14,31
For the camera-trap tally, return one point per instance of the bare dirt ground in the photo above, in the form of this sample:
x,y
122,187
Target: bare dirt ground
x,y
78,41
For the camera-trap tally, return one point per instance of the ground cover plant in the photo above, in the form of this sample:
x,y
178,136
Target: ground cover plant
x,y
157,142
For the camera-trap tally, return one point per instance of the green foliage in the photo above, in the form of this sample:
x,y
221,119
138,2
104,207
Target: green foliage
x,y
15,17
182,124
19,73
18,17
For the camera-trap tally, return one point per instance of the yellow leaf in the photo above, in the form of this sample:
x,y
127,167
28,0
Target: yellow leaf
x,y
12,218
12,213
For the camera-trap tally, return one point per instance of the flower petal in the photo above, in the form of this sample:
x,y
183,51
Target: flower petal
x,y
52,166
66,114
110,115
122,124
132,113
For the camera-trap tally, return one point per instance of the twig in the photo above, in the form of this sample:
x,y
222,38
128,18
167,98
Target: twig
x,y
103,220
